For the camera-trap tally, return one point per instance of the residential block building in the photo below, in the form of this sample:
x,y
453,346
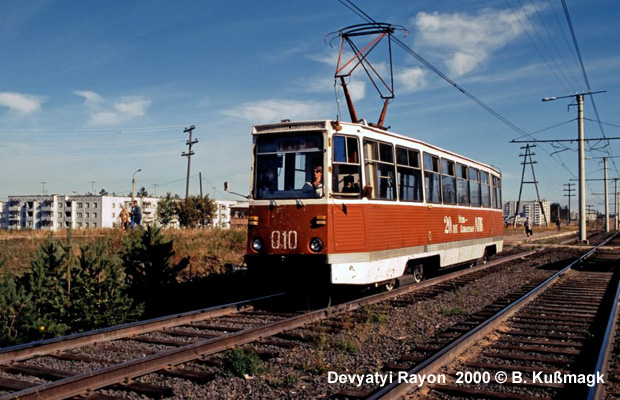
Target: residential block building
x,y
53,212
529,209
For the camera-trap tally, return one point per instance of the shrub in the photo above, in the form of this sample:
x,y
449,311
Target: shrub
x,y
241,363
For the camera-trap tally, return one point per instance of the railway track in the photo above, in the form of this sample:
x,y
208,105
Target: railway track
x,y
167,345
536,347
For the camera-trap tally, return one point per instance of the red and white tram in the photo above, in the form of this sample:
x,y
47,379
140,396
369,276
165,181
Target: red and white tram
x,y
388,205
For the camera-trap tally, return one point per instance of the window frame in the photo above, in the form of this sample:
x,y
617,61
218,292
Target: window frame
x,y
417,170
435,173
356,191
372,191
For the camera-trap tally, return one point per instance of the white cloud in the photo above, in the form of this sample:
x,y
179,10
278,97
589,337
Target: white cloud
x,y
466,42
411,79
89,96
275,110
112,112
21,103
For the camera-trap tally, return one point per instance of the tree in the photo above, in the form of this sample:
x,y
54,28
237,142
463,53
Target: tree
x,y
166,209
148,264
48,283
142,192
16,311
43,303
195,211
100,292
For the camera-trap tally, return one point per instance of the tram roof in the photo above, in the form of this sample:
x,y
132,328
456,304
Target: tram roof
x,y
322,125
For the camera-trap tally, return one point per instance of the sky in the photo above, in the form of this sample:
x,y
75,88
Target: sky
x,y
93,91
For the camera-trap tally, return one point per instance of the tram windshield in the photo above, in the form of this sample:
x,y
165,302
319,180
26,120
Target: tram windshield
x,y
289,167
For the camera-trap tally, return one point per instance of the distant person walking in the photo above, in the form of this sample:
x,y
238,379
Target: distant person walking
x,y
124,217
528,227
558,224
136,215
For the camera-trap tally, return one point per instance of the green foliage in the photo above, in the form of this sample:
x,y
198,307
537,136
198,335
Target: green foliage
x,y
142,192
241,363
147,260
16,311
48,282
46,303
454,311
166,209
191,212
348,346
195,211
99,293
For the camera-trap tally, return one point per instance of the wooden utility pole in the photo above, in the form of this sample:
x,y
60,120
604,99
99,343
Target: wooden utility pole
x,y
189,155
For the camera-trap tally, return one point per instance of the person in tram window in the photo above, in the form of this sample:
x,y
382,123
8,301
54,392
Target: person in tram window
x,y
316,184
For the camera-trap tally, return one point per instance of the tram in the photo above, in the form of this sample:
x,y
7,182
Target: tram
x,y
352,204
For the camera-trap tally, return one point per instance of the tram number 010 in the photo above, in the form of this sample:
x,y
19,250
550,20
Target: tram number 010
x,y
286,240
473,377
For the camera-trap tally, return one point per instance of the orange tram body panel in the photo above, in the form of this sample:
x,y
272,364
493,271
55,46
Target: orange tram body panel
x,y
351,204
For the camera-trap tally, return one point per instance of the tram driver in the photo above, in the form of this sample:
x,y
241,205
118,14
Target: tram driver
x,y
316,184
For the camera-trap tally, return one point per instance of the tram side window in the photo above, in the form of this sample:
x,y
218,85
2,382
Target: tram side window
x,y
474,187
462,185
409,174
497,192
448,181
432,180
379,161
486,189
347,169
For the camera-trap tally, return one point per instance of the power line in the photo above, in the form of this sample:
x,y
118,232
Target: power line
x,y
351,6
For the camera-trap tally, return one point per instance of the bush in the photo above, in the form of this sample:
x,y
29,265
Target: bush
x,y
241,363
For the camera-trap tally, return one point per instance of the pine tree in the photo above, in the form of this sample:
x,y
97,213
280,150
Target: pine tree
x,y
100,297
16,311
47,282
147,260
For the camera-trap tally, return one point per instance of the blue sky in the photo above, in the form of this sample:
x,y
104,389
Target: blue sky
x,y
91,91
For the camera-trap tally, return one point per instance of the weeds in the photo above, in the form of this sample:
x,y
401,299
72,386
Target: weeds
x,y
454,311
241,363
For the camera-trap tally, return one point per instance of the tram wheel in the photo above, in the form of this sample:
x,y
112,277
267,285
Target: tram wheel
x,y
485,257
418,272
389,285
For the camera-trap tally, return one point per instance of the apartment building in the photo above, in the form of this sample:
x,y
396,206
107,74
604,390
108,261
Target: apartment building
x,y
222,216
529,209
53,212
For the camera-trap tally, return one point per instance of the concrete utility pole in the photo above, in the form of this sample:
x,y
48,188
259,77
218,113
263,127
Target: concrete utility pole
x,y
133,185
606,197
582,171
189,155
582,161
616,204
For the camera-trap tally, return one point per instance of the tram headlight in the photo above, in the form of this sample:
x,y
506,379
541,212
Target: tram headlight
x,y
257,244
316,244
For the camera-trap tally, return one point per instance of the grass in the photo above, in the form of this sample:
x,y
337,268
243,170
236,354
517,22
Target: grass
x,y
454,311
209,250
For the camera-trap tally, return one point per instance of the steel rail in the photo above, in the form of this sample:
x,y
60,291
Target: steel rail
x,y
460,345
23,351
602,363
88,381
